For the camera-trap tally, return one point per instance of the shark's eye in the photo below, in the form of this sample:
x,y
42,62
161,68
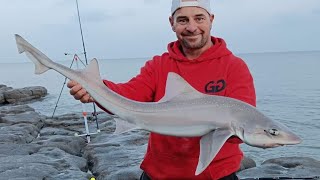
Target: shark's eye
x,y
273,132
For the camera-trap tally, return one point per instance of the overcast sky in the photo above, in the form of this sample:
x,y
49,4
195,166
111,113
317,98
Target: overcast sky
x,y
140,28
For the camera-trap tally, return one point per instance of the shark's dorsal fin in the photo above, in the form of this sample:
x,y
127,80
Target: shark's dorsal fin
x,y
210,145
179,89
92,70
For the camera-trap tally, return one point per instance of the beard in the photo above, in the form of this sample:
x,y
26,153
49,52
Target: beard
x,y
196,44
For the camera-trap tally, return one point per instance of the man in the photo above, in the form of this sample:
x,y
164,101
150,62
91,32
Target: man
x,y
206,63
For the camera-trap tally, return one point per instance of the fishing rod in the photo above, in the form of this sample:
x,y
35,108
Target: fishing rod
x,y
83,45
85,56
76,59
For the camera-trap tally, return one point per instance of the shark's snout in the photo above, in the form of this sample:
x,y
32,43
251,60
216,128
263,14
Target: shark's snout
x,y
295,140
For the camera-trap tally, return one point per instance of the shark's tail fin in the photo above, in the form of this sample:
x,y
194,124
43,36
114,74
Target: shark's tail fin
x,y
19,41
33,54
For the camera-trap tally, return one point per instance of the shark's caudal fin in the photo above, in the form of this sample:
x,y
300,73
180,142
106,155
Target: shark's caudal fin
x,y
178,89
33,54
210,145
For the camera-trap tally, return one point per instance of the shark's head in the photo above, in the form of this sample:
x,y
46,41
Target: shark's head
x,y
268,134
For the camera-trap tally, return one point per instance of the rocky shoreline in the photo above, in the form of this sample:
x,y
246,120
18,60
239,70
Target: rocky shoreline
x,y
34,146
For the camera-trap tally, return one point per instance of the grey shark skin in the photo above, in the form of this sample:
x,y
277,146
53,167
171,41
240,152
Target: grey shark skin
x,y
183,111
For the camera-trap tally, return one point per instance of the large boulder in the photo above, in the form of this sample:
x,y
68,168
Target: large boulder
x,y
293,167
24,94
3,88
1,98
33,147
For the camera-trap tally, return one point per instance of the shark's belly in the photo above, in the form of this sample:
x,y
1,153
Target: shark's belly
x,y
185,124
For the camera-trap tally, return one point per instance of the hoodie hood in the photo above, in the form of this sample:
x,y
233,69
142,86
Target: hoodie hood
x,y
218,50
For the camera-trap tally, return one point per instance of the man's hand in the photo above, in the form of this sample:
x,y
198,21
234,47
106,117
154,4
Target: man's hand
x,y
78,92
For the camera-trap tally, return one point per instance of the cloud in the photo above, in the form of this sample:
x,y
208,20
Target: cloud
x,y
142,27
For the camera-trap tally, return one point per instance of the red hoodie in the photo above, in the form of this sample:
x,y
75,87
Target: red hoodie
x,y
217,71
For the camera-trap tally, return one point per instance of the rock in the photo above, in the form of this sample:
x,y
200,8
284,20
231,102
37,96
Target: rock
x,y
18,170
9,110
70,174
29,117
70,144
43,165
36,147
67,161
117,156
18,133
293,167
247,163
24,94
2,98
32,149
11,149
3,88
294,162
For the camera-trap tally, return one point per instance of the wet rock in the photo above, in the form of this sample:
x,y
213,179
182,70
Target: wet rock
x,y
70,174
32,149
117,156
15,170
42,166
24,94
66,160
70,144
18,133
10,149
3,88
2,98
247,163
29,117
294,167
16,109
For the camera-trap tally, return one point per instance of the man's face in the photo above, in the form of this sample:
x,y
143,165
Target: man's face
x,y
192,26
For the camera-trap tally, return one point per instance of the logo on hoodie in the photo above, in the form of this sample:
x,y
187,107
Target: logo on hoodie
x,y
215,86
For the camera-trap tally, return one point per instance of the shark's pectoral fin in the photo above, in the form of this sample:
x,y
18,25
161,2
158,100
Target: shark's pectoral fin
x,y
123,126
210,145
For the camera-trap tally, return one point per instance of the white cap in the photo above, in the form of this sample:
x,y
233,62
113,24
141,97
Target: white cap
x,y
176,4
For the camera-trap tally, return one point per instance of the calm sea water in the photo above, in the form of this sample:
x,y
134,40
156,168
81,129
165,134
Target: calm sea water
x,y
287,86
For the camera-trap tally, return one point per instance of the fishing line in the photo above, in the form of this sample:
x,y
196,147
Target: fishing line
x,y
76,59
85,56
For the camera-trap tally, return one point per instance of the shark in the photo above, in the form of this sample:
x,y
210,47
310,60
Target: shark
x,y
183,111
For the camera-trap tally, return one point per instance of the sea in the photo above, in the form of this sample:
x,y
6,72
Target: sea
x,y
287,87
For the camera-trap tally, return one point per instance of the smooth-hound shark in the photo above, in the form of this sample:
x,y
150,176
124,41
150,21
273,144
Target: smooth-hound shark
x,y
183,111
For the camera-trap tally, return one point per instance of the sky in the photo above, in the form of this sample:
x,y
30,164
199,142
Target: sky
x,y
140,28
